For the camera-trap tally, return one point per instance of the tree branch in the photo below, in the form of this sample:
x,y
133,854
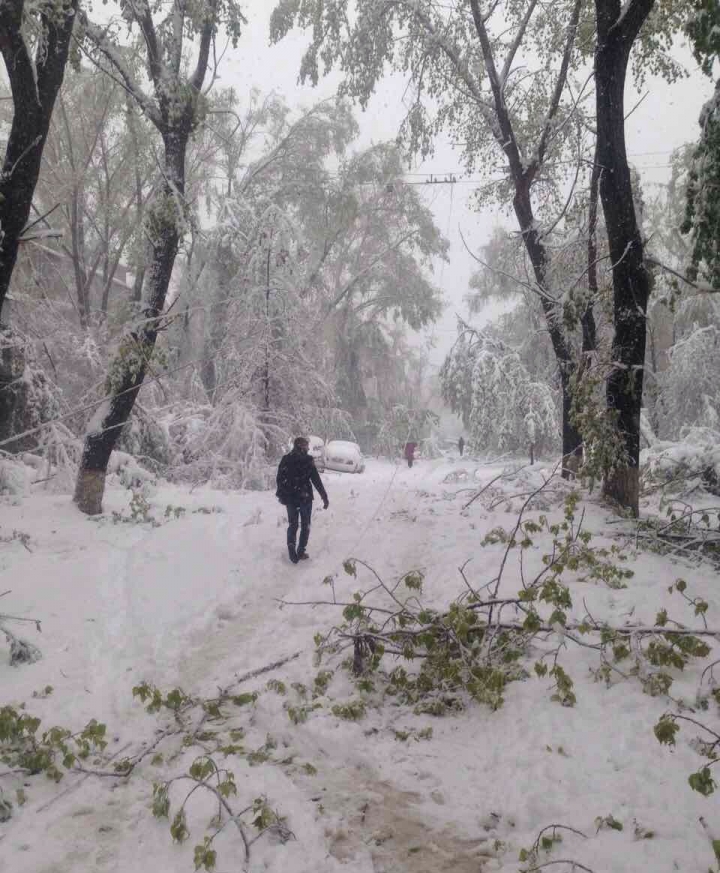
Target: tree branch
x,y
18,62
208,30
560,84
519,36
507,139
98,38
631,18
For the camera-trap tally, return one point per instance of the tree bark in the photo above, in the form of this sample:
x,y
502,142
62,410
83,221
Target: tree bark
x,y
589,328
631,287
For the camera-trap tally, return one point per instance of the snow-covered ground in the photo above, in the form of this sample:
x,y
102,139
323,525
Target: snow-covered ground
x,y
193,602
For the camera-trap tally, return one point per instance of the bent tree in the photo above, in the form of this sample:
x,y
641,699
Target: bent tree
x,y
35,43
498,76
617,29
175,107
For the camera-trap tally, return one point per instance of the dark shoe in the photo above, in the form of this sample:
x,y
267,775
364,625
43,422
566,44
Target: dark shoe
x,y
303,556
292,554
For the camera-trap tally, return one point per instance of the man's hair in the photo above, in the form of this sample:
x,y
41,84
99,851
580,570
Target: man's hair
x,y
300,441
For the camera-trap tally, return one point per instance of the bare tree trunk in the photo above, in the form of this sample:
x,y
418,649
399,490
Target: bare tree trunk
x,y
617,30
589,329
127,371
138,284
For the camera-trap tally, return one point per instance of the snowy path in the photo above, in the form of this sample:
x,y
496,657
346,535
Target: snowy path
x,y
195,601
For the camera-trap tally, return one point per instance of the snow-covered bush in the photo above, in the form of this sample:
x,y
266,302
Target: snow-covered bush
x,y
696,455
690,388
15,477
225,446
146,439
128,471
29,397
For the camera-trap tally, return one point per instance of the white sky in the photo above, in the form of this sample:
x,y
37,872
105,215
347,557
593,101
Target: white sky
x,y
665,119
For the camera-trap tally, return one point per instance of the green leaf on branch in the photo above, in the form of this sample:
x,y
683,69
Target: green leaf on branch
x,y
414,580
178,828
665,730
702,782
205,857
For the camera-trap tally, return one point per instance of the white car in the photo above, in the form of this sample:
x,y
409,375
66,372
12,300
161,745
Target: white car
x,y
317,450
344,456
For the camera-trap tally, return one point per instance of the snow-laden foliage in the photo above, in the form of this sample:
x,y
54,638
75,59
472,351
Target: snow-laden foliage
x,y
289,316
702,217
694,459
224,445
504,408
146,439
15,477
690,386
401,425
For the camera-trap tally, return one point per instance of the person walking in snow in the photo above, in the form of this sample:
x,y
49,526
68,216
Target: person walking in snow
x,y
461,446
410,453
296,476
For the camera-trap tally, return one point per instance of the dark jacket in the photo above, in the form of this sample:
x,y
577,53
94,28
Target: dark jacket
x,y
295,477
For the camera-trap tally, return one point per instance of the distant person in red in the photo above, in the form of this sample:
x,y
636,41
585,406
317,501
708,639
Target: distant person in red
x,y
410,453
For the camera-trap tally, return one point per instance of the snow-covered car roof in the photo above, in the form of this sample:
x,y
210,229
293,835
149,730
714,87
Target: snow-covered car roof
x,y
344,444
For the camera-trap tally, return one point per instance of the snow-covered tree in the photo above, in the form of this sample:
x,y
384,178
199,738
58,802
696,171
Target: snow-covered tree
x,y
702,218
474,66
175,107
98,168
502,406
35,45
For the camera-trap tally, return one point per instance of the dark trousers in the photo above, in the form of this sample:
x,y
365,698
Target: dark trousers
x,y
410,462
301,512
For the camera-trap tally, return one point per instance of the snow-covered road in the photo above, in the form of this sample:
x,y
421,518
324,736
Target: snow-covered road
x,y
194,601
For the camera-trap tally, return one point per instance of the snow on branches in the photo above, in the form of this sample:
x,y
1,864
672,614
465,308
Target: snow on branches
x,y
505,409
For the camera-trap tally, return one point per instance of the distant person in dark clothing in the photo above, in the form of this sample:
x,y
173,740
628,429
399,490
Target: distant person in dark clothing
x,y
461,446
410,453
295,479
